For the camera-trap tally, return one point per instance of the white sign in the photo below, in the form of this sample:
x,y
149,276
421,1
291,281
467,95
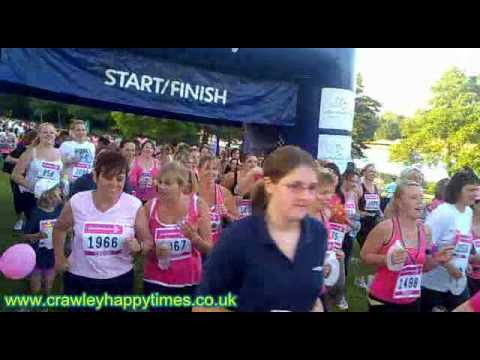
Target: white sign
x,y
335,148
337,108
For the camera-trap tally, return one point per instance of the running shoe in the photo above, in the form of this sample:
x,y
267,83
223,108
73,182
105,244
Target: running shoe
x,y
343,304
18,225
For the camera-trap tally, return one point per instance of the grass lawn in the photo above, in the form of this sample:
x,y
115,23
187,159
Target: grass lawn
x,y
356,296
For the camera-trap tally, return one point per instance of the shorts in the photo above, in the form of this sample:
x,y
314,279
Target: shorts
x,y
77,285
434,299
45,258
377,305
150,288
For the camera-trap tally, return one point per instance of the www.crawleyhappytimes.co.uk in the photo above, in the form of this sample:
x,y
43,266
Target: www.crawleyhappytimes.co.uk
x,y
127,302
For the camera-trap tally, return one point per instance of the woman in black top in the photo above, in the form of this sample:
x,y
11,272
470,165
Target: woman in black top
x,y
273,261
369,203
10,162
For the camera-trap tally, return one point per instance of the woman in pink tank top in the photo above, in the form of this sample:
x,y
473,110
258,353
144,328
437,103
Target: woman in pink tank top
x,y
144,171
109,226
219,199
180,226
400,249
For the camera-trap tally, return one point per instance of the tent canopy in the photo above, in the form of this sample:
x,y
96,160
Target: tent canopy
x,y
272,87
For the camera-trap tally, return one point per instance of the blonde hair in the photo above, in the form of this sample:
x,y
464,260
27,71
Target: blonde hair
x,y
402,185
40,127
177,170
324,176
408,171
43,201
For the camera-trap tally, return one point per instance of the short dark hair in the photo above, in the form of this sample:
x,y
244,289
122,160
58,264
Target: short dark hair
x,y
126,141
440,189
111,163
462,178
148,142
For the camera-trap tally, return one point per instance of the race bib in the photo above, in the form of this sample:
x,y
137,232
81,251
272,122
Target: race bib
x,y
180,246
409,282
350,209
80,169
46,226
145,181
49,171
216,220
338,235
372,202
245,207
104,239
462,251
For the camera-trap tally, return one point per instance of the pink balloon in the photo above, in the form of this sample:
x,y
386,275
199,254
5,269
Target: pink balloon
x,y
18,261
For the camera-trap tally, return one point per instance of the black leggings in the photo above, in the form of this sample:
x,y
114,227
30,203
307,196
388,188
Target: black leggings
x,y
347,248
28,203
17,198
432,299
77,285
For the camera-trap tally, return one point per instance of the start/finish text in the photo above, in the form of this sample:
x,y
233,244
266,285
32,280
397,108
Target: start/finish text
x,y
165,87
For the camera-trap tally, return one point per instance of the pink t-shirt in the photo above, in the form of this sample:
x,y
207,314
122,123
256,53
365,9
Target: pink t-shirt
x,y
99,250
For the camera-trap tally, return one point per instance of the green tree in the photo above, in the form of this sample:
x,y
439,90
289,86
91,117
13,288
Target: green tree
x,y
161,130
390,127
15,106
52,111
98,118
366,121
449,131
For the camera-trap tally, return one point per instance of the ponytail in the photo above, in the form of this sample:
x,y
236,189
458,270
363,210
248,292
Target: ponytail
x,y
259,198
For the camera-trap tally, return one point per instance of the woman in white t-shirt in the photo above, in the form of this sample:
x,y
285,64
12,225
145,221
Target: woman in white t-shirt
x,y
445,287
78,154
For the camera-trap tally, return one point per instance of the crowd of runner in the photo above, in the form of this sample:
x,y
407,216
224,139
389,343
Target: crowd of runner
x,y
278,232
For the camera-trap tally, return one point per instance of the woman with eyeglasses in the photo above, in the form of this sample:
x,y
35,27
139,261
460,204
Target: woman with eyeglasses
x,y
273,261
